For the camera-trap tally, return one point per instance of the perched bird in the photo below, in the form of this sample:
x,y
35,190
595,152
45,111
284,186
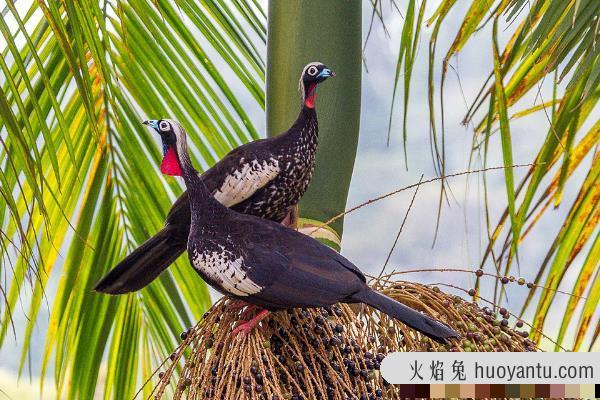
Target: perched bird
x,y
265,178
270,266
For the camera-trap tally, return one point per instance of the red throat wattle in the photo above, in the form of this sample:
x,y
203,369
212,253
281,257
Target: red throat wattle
x,y
310,99
170,164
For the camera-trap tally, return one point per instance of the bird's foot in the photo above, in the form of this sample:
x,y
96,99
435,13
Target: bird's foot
x,y
291,218
247,312
246,327
236,305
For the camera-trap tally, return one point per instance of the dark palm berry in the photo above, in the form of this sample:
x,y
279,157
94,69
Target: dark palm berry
x,y
258,388
380,357
172,356
519,324
378,393
504,322
248,388
505,280
259,378
368,355
339,328
253,370
472,292
320,320
209,343
160,375
247,380
479,272
369,364
368,386
503,311
338,311
530,285
187,382
183,335
364,373
350,364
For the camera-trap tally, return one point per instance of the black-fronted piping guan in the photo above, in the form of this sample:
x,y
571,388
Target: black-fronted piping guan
x,y
271,266
265,178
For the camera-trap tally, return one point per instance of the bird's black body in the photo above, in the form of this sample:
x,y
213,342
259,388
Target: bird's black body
x,y
274,267
264,178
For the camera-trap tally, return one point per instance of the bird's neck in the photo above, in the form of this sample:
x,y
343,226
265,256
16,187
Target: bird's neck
x,y
305,127
201,200
305,130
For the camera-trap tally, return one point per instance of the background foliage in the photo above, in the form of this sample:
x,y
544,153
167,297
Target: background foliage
x,y
78,77
75,163
549,40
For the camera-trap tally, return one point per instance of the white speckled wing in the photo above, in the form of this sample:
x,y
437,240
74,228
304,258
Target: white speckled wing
x,y
226,270
246,180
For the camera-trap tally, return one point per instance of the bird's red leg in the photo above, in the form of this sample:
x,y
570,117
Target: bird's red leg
x,y
291,218
247,312
246,327
236,305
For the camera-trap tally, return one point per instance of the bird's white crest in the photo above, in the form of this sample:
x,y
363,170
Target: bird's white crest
x,y
180,135
301,82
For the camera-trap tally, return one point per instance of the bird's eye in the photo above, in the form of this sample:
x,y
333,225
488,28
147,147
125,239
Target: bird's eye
x,y
163,126
312,70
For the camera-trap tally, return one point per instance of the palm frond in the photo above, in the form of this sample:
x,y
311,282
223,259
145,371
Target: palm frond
x,y
75,161
548,40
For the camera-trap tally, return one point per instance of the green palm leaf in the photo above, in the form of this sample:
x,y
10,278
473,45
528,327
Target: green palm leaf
x,y
550,39
80,77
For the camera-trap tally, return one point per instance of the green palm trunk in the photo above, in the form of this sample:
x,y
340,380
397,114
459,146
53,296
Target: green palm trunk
x,y
328,31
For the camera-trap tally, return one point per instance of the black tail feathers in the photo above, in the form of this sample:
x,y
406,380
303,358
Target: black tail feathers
x,y
414,319
145,263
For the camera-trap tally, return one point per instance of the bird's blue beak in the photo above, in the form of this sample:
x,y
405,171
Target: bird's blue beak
x,y
153,123
325,73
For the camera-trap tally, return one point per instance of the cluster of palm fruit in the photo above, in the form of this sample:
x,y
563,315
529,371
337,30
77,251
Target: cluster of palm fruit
x,y
332,353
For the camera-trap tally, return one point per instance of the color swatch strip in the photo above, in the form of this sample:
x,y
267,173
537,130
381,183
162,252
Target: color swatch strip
x,y
482,391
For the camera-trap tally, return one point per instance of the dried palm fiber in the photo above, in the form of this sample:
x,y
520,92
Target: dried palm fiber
x,y
320,353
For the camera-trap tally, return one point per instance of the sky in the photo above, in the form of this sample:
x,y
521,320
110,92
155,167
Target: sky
x,y
370,232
